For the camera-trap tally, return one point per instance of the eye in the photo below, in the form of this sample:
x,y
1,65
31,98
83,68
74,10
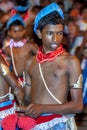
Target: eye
x,y
49,33
60,33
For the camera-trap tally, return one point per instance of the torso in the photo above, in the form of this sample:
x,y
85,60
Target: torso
x,y
56,74
22,55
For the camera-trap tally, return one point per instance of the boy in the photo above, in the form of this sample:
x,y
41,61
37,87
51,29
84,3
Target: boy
x,y
54,73
9,87
18,49
22,7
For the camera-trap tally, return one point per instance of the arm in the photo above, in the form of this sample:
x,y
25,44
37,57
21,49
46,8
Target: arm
x,y
27,89
12,81
75,105
5,17
79,54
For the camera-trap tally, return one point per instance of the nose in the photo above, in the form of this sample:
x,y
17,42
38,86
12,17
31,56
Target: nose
x,y
55,38
18,33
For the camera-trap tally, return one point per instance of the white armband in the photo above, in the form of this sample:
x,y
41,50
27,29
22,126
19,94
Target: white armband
x,y
79,82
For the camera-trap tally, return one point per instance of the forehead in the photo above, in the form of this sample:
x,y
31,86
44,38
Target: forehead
x,y
16,28
57,27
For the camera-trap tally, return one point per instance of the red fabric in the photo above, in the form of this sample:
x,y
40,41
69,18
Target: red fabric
x,y
8,106
47,118
41,57
13,12
26,16
26,123
9,122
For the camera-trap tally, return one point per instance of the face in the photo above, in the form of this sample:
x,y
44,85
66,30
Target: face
x,y
84,15
72,30
17,33
51,36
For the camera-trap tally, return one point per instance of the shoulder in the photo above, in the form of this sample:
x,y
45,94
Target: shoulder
x,y
72,62
71,59
32,45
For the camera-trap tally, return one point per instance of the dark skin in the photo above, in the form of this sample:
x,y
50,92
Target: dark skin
x,y
22,55
29,21
60,75
7,81
79,53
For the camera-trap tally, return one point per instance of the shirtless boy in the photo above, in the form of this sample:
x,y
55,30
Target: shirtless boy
x,y
9,88
54,73
18,50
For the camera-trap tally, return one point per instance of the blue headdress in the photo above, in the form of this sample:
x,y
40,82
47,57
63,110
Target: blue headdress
x,y
14,18
47,10
22,7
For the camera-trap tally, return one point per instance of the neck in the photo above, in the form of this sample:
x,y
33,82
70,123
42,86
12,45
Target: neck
x,y
48,56
17,43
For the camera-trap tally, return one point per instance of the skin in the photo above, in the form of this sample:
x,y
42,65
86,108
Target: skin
x,y
59,75
7,81
22,55
29,21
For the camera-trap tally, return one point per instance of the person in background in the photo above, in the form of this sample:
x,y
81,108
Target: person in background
x,y
18,50
74,37
22,7
54,73
6,5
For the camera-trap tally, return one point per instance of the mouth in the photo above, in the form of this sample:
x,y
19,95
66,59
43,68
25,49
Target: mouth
x,y
53,46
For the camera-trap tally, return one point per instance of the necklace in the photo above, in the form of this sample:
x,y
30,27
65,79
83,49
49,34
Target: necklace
x,y
50,56
17,44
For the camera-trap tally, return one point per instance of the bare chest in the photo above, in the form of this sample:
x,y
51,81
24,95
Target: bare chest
x,y
55,76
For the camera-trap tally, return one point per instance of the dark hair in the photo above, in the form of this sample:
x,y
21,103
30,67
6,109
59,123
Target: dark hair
x,y
16,23
21,2
52,18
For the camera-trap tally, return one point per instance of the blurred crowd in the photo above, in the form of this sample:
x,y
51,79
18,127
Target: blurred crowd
x,y
75,32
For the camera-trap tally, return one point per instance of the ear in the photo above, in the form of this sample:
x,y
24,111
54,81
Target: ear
x,y
39,34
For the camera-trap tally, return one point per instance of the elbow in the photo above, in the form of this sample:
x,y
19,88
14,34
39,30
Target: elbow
x,y
80,108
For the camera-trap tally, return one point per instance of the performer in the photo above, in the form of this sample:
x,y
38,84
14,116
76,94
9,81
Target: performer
x,y
11,92
22,7
53,74
19,51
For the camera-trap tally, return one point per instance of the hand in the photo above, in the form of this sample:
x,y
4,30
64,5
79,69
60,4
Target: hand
x,y
33,110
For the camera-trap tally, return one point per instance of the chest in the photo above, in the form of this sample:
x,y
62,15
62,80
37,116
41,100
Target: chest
x,y
19,53
51,70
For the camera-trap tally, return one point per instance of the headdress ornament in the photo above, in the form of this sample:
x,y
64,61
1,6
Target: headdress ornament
x,y
14,18
47,10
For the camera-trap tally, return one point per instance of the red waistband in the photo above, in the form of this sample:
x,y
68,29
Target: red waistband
x,y
43,119
8,106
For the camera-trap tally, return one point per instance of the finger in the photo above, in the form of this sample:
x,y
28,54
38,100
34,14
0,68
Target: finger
x,y
21,114
20,109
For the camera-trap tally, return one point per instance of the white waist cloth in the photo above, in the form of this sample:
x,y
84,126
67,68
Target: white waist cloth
x,y
6,108
57,123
